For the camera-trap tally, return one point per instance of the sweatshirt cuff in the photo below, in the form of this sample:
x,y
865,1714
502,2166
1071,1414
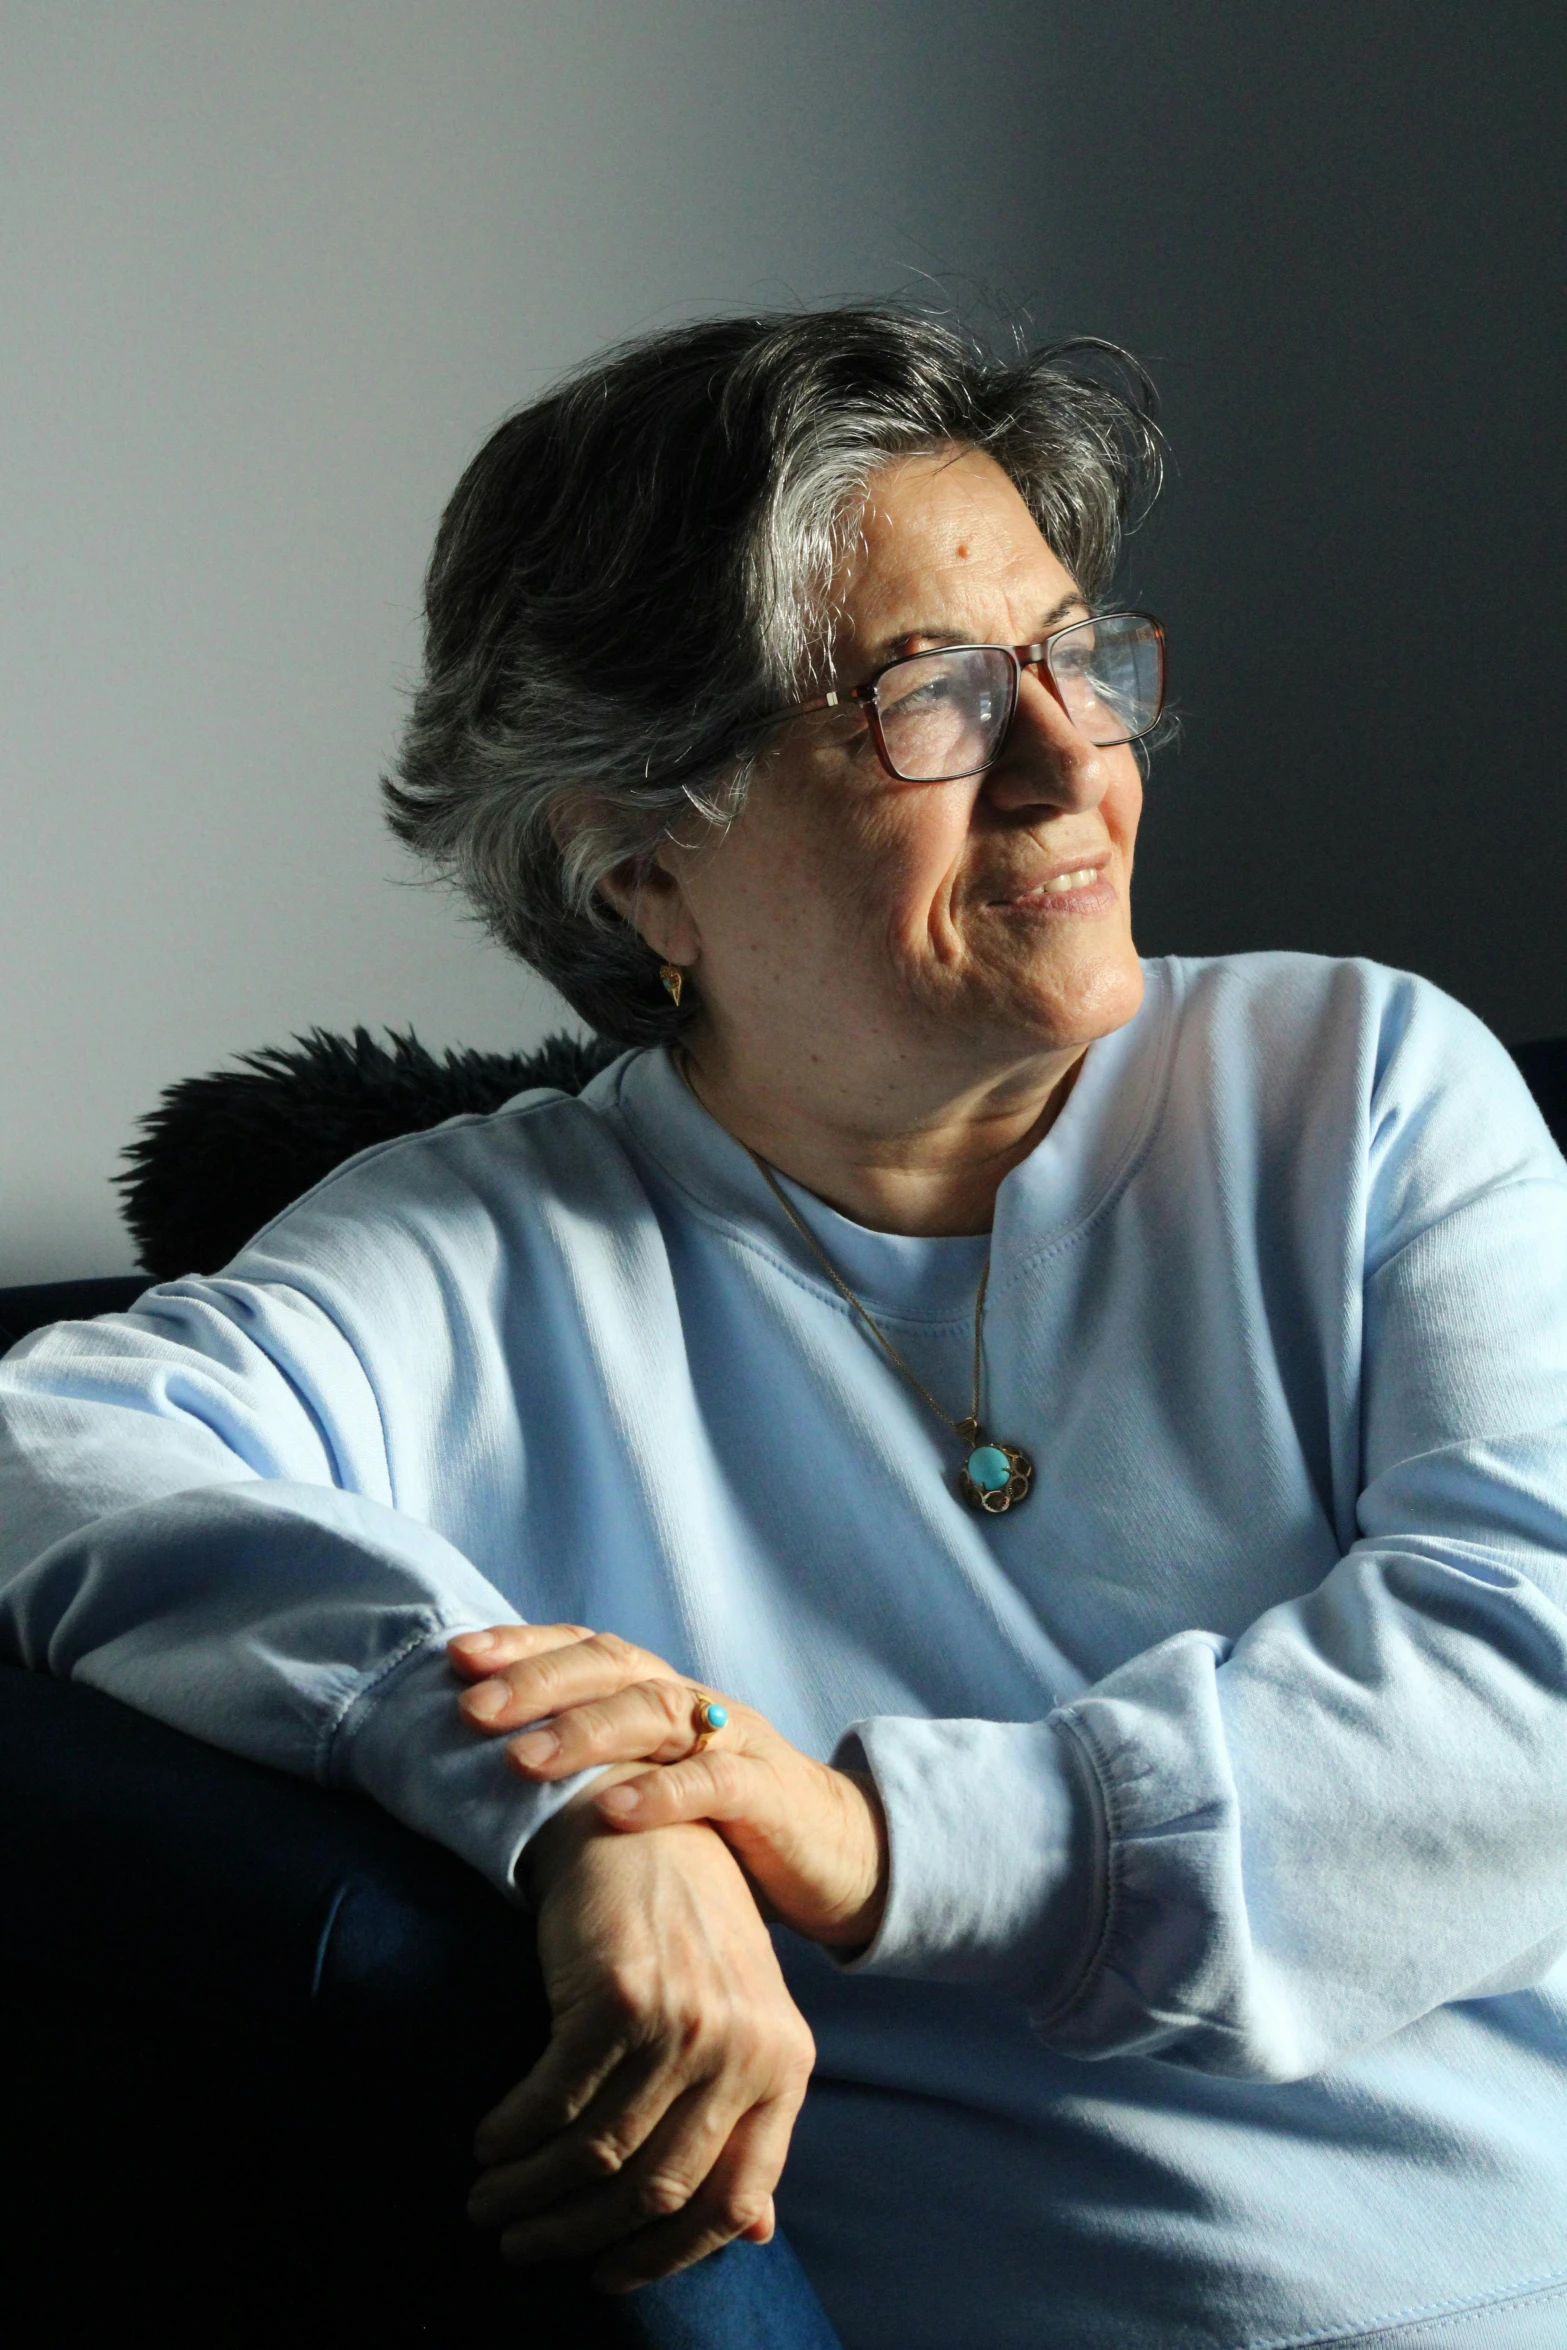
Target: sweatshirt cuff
x,y
994,1867
404,1743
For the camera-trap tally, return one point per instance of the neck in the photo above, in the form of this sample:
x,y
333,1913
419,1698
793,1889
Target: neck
x,y
927,1166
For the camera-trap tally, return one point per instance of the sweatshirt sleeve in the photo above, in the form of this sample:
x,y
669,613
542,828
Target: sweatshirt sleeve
x,y
1257,1856
197,1517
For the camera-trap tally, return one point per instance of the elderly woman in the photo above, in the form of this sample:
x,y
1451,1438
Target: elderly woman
x,y
1041,1476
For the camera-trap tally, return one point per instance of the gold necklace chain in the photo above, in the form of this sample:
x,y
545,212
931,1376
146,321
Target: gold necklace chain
x,y
965,1428
994,1477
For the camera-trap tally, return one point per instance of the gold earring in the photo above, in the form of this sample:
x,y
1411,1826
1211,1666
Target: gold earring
x,y
674,980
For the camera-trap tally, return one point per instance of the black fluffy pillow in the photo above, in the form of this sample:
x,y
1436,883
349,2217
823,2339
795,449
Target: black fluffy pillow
x,y
222,1155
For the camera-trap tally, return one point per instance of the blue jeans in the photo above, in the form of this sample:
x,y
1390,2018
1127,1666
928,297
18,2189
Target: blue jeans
x,y
747,2297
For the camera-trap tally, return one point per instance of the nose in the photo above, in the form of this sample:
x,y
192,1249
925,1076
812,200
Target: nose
x,y
1045,761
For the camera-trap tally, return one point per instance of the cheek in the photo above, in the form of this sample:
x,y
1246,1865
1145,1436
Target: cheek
x,y
909,851
878,870
785,890
1123,808
826,879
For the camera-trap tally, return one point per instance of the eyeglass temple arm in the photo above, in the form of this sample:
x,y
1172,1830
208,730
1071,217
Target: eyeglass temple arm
x,y
840,699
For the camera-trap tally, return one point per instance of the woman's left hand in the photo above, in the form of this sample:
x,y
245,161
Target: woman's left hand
x,y
812,1840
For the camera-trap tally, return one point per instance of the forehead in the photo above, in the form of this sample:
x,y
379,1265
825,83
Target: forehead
x,y
945,545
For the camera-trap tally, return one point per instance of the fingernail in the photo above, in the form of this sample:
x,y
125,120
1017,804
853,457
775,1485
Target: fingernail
x,y
473,1643
485,1702
536,1747
622,1801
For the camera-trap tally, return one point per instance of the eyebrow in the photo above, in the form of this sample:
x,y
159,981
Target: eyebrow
x,y
887,650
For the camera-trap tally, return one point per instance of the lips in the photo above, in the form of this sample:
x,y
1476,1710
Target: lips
x,y
1081,883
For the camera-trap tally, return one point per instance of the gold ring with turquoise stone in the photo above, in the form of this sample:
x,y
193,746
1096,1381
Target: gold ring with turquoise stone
x,y
707,1720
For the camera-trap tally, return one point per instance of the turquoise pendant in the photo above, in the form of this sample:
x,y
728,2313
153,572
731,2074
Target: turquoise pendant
x,y
995,1477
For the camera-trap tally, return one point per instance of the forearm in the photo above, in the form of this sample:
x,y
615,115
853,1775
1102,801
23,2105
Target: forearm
x,y
1254,1859
297,1625
994,1867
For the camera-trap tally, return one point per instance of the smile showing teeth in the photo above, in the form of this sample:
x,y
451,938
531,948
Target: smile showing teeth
x,y
1084,878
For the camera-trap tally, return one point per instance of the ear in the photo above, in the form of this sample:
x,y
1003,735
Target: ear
x,y
651,901
654,903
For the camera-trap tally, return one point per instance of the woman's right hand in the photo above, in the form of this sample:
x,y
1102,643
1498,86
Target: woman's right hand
x,y
655,2126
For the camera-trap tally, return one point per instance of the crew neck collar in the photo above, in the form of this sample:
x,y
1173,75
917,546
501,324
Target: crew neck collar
x,y
1087,1154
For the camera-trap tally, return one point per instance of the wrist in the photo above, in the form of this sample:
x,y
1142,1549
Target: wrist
x,y
855,1927
554,1847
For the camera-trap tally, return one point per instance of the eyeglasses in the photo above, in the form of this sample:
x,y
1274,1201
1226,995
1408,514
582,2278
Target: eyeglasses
x,y
936,717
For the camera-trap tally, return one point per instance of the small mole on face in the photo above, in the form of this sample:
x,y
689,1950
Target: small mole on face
x,y
962,554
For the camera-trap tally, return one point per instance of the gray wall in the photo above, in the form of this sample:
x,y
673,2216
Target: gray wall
x,y
270,272
1335,231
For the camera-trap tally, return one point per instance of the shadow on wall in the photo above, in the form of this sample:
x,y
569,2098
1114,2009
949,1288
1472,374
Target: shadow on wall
x,y
1334,235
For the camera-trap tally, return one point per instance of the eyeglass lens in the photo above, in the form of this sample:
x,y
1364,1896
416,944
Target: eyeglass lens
x,y
1110,673
945,714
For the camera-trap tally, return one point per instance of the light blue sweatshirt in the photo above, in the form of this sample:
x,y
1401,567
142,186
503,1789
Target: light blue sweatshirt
x,y
1221,1997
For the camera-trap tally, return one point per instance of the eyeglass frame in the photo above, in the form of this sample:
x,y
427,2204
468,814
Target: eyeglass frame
x,y
1034,656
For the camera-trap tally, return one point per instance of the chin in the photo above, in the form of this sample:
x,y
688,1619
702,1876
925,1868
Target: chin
x,y
1076,1006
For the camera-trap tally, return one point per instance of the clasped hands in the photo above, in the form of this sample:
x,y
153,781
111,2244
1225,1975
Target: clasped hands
x,y
655,2126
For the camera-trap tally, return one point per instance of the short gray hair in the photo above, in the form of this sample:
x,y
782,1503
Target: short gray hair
x,y
633,574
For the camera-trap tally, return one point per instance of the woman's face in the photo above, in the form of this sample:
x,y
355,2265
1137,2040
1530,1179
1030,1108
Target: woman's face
x,y
871,924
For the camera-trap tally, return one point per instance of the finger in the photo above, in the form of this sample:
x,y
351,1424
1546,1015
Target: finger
x,y
735,2199
572,1673
654,1721
812,1842
589,2155
660,2181
641,2149
478,1654
581,2058
724,1783
763,2228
